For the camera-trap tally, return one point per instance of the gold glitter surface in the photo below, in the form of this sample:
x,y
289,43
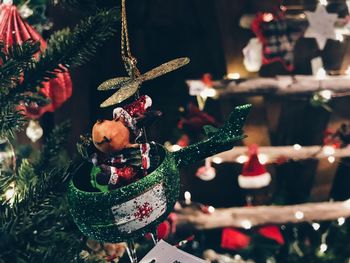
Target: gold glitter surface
x,y
129,86
115,83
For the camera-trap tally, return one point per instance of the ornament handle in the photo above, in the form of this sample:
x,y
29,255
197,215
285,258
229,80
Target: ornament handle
x,y
220,140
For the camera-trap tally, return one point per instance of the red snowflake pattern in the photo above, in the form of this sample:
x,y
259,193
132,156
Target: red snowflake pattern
x,y
143,211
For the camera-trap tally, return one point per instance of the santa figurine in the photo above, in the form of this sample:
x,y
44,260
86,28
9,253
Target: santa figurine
x,y
122,159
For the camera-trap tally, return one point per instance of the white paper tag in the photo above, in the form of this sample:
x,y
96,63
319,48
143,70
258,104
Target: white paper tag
x,y
165,253
141,210
316,65
196,87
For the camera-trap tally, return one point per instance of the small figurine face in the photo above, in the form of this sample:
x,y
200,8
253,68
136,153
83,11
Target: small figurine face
x,y
110,135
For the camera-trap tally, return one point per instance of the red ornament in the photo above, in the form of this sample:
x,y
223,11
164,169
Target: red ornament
x,y
233,239
195,119
184,141
272,232
14,30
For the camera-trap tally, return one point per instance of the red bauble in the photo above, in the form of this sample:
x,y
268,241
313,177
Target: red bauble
x,y
272,232
14,30
234,239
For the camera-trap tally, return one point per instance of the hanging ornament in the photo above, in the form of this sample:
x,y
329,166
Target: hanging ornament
x,y
14,30
253,55
138,207
194,119
34,131
277,37
321,26
7,157
132,185
254,174
206,172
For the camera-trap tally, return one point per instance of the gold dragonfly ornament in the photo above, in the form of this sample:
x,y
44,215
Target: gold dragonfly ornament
x,y
128,86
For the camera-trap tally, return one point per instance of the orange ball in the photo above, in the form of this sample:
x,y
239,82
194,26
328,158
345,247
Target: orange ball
x,y
110,136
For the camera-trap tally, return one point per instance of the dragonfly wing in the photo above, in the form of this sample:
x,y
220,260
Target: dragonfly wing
x,y
115,83
165,68
122,94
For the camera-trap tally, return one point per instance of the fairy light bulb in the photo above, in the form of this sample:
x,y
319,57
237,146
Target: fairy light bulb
x,y
328,150
242,159
297,147
10,193
246,224
299,215
234,75
323,247
187,196
331,159
217,160
211,209
263,158
326,94
316,226
341,221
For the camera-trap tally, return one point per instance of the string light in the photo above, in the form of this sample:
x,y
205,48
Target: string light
x,y
299,215
267,17
263,158
242,159
187,196
331,159
326,94
217,160
341,221
297,147
316,226
323,247
246,224
234,75
323,2
10,194
328,150
211,209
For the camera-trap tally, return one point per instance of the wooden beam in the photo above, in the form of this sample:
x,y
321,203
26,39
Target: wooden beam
x,y
246,217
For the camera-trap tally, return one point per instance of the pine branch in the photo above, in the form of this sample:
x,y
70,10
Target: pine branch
x,y
37,226
53,146
16,60
71,48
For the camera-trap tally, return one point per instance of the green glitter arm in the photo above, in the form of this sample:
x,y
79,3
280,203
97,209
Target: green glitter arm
x,y
219,140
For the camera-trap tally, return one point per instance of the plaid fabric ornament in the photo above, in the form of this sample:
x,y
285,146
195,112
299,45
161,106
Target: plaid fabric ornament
x,y
277,37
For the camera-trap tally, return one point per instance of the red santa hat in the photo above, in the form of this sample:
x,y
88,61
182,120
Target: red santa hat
x,y
129,112
254,174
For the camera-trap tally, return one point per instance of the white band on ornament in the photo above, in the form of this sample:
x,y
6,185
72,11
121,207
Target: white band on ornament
x,y
253,182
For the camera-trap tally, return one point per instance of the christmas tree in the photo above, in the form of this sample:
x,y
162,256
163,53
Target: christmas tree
x,y
66,185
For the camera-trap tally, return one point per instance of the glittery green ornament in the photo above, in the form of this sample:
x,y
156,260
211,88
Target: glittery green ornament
x,y
133,210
